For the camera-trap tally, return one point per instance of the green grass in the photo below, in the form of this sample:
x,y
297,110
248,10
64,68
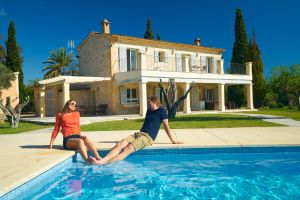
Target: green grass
x,y
289,113
23,127
184,122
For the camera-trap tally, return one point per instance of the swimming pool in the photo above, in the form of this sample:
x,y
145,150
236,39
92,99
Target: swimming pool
x,y
185,173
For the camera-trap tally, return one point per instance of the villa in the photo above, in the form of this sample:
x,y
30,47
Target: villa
x,y
118,73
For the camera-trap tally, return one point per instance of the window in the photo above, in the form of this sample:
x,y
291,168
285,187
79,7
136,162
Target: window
x,y
209,95
131,59
161,56
129,96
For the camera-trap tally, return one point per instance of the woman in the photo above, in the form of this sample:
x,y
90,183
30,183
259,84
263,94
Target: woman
x,y
68,120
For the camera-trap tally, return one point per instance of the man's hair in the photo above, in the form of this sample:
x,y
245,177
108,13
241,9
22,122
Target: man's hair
x,y
155,100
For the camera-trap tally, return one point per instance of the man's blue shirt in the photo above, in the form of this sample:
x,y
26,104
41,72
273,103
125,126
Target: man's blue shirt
x,y
153,121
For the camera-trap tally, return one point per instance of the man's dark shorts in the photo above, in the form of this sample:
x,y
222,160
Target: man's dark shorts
x,y
67,138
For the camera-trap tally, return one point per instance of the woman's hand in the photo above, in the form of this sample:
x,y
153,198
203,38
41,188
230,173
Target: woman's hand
x,y
83,137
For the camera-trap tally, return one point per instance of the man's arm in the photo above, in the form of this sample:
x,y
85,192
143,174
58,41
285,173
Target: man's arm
x,y
169,133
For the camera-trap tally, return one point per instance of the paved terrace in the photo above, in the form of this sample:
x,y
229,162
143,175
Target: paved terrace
x,y
24,156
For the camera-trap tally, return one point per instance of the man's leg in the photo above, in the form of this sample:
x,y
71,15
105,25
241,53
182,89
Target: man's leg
x,y
126,152
91,146
113,153
76,143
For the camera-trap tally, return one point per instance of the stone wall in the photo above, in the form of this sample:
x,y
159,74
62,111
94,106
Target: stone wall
x,y
94,57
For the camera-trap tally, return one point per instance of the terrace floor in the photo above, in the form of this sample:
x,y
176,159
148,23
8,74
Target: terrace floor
x,y
26,155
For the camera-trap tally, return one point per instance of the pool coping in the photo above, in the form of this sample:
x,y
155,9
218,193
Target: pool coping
x,y
21,183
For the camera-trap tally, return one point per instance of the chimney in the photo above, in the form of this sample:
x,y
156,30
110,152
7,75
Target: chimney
x,y
198,42
105,27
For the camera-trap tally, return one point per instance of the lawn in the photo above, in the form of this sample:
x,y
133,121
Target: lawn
x,y
23,127
183,122
289,113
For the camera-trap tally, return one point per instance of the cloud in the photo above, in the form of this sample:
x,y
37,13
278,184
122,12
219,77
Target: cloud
x,y
2,12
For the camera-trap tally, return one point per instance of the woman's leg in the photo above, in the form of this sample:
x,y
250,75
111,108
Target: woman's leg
x,y
77,143
91,146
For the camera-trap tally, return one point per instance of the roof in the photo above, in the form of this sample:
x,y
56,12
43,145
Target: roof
x,y
114,38
72,79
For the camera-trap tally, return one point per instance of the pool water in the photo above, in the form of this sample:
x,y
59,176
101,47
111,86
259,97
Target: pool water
x,y
268,173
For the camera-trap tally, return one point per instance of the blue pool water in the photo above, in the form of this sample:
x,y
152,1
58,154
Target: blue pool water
x,y
217,173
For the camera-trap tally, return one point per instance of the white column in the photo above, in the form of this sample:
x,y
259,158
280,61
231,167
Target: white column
x,y
221,96
65,93
221,66
249,68
249,96
42,93
143,98
187,101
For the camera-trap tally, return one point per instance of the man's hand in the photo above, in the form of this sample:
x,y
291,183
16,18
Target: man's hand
x,y
178,142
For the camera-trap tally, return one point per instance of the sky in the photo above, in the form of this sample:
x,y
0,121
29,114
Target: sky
x,y
45,25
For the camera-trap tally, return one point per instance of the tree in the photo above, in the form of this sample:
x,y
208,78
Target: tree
x,y
29,91
158,36
6,77
58,60
254,55
239,58
148,33
286,81
170,97
13,57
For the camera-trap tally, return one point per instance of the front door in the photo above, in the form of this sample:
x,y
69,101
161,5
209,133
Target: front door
x,y
195,99
49,103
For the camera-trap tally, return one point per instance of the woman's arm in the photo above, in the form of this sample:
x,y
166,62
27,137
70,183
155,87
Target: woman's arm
x,y
169,133
55,130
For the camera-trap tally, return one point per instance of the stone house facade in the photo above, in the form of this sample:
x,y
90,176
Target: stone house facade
x,y
119,73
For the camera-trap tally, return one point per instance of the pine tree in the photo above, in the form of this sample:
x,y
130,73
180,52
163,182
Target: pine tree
x,y
254,56
238,59
158,36
13,57
148,33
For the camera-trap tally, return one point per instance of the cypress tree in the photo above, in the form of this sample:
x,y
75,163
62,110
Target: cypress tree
x,y
238,59
157,36
148,33
13,57
254,56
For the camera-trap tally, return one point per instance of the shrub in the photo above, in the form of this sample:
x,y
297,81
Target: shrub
x,y
273,105
280,105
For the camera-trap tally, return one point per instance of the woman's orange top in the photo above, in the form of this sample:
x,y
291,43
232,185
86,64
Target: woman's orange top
x,y
69,123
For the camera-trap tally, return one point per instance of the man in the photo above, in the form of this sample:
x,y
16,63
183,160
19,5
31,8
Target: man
x,y
154,117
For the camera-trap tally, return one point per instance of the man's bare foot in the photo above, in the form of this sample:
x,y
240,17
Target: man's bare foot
x,y
98,157
94,161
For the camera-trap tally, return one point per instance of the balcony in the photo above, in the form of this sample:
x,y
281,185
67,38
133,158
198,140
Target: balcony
x,y
148,68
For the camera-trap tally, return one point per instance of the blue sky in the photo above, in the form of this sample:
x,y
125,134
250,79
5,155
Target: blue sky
x,y
44,25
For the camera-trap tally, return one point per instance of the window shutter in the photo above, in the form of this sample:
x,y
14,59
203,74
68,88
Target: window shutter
x,y
123,95
193,62
166,57
156,58
157,92
123,59
178,62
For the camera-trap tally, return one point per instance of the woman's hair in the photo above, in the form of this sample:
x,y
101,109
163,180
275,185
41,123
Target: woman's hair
x,y
66,107
155,100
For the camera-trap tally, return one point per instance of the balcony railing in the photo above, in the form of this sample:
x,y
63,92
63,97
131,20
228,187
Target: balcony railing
x,y
171,64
